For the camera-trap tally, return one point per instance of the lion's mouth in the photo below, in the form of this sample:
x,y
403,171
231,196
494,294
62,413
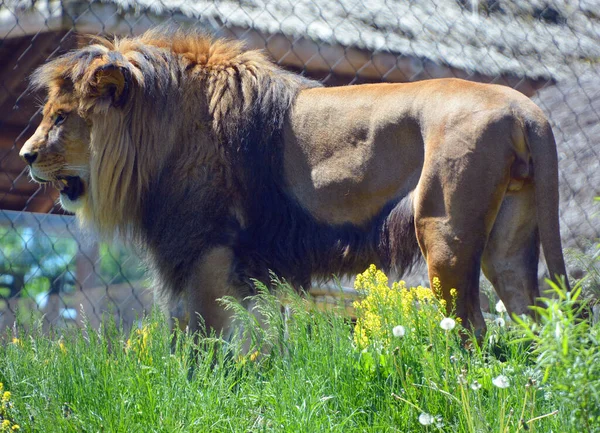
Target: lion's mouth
x,y
71,186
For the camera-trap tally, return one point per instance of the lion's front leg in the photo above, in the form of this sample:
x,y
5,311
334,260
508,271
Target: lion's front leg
x,y
199,309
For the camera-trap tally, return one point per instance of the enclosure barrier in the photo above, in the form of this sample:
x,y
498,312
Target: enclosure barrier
x,y
547,49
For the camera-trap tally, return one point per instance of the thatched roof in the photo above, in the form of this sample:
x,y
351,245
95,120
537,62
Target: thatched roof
x,y
549,39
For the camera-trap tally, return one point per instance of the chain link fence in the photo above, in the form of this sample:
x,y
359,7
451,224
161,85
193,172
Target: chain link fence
x,y
547,49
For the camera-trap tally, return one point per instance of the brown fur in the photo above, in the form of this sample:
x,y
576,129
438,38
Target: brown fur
x,y
223,166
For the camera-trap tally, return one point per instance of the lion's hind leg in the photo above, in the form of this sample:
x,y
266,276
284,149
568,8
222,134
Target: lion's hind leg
x,y
510,260
454,258
456,202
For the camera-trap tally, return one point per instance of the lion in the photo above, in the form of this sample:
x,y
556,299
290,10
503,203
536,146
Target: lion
x,y
223,167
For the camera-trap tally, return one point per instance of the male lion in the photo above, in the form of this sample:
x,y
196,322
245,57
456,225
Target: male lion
x,y
223,166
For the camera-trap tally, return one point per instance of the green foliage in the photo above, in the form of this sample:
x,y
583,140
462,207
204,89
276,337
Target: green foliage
x,y
567,350
295,368
6,419
589,263
117,264
33,263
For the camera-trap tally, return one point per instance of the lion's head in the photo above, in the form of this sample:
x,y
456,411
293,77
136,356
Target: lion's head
x,y
58,152
81,146
120,111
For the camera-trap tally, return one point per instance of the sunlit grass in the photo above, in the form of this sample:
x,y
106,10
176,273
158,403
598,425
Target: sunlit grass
x,y
313,371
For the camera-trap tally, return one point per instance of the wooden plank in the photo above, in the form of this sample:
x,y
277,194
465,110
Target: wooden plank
x,y
18,202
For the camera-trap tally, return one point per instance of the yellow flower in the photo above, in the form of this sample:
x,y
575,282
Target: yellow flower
x,y
6,396
5,425
16,427
437,286
382,307
140,343
62,347
254,356
17,342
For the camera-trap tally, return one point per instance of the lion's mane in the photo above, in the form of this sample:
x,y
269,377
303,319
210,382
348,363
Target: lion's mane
x,y
187,154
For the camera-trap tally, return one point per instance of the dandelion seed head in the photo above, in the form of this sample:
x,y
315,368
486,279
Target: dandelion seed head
x,y
500,322
399,331
447,324
475,385
558,331
426,418
501,381
500,308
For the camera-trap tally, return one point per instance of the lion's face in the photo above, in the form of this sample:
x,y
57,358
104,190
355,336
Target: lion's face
x,y
58,152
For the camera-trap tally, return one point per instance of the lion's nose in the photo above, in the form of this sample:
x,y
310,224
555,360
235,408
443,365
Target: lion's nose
x,y
29,157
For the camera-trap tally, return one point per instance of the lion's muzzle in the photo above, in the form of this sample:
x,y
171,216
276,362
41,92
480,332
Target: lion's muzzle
x,y
28,157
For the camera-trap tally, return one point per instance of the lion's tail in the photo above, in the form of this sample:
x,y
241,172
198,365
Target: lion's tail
x,y
542,146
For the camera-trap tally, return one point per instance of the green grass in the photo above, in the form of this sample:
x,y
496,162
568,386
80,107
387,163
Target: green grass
x,y
310,376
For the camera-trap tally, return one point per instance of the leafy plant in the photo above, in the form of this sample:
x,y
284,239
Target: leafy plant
x,y
567,350
294,368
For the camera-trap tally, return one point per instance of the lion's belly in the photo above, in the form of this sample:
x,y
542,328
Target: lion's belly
x,y
350,176
339,196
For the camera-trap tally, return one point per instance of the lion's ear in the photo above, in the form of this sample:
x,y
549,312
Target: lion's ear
x,y
111,81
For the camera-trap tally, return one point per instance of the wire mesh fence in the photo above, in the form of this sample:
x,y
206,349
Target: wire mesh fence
x,y
547,49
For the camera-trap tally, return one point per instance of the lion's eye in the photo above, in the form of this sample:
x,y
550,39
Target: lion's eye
x,y
60,118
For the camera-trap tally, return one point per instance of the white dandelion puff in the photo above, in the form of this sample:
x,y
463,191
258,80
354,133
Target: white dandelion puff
x,y
500,322
475,385
426,418
447,324
500,308
399,331
558,331
501,381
